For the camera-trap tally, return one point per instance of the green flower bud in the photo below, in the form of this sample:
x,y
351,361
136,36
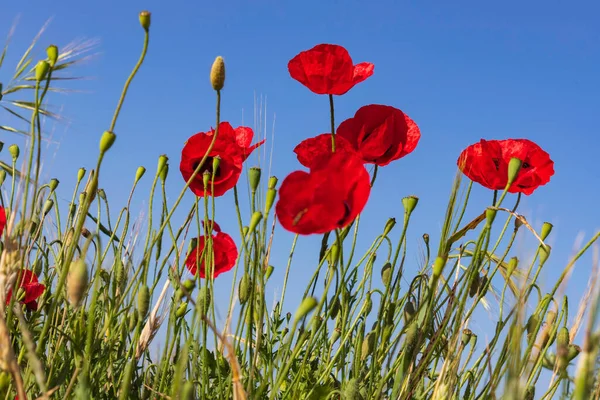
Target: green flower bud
x,y
181,310
204,299
368,305
143,299
189,284
368,345
514,166
139,173
307,305
544,254
255,220
335,335
162,161
573,352
41,70
438,266
254,178
77,281
245,288
409,203
512,265
490,215
52,53
164,172
546,229
270,199
272,182
466,336
386,274
53,184
188,391
532,323
244,231
106,141
269,271
133,320
389,225
217,74
80,174
334,307
48,204
145,20
473,340
38,267
409,311
14,151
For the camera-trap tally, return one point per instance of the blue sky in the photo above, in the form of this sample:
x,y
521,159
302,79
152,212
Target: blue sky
x,y
463,71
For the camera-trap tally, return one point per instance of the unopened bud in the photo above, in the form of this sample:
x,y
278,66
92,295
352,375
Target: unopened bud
x,y
438,266
386,273
409,311
544,254
53,184
145,20
48,204
139,173
217,74
14,151
368,345
490,215
546,229
106,141
254,178
41,70
245,288
52,53
162,161
181,310
270,199
514,166
512,265
269,271
307,305
143,300
77,281
466,336
257,216
164,172
389,225
80,174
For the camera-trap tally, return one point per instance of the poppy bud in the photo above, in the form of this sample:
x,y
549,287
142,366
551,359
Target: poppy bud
x,y
386,273
2,176
217,74
143,299
80,174
38,266
544,254
41,70
438,266
77,281
335,336
389,225
92,186
514,166
53,184
52,53
133,320
334,307
48,206
21,294
391,311
245,288
189,285
139,173
490,215
307,305
270,199
562,348
254,178
409,203
181,310
204,299
269,271
255,220
162,161
409,311
244,231
368,345
532,323
164,172
1,143
272,182
106,141
546,229
14,151
101,194
512,265
573,352
368,305
145,20
334,253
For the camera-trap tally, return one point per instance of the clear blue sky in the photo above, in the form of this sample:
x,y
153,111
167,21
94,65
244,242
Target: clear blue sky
x,y
463,71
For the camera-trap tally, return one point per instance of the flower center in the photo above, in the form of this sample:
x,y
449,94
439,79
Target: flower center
x,y
206,167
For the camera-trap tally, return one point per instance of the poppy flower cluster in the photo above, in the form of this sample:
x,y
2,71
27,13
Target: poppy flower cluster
x,y
487,162
337,186
224,253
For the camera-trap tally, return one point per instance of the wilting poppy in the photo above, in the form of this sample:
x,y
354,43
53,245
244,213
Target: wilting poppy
x,y
2,220
232,146
224,253
330,196
486,163
312,148
32,288
381,134
328,69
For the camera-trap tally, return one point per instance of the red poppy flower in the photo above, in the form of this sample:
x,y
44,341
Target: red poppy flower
x,y
381,134
310,149
330,196
486,163
232,146
224,252
32,288
2,220
328,69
